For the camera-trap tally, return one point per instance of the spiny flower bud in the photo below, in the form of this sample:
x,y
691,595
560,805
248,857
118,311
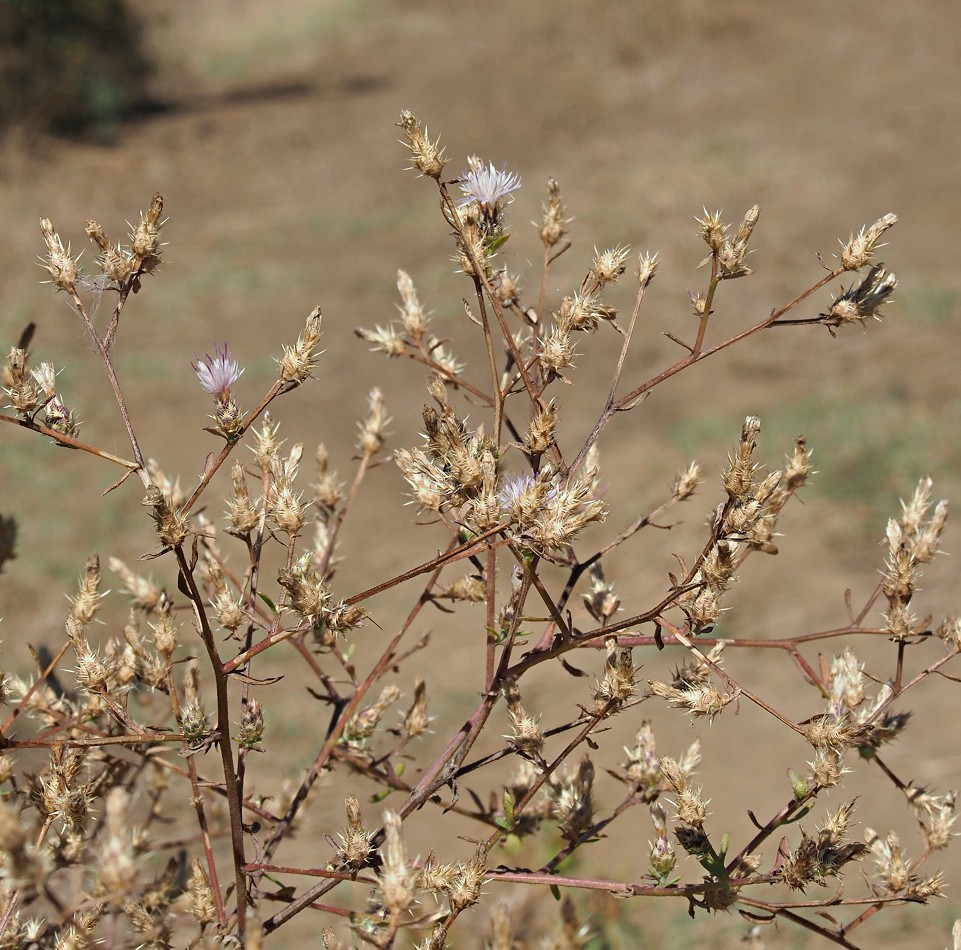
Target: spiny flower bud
x,y
861,246
428,156
58,417
251,725
663,857
63,269
145,238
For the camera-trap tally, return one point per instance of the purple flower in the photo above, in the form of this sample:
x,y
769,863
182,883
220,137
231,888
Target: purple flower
x,y
487,186
217,373
513,488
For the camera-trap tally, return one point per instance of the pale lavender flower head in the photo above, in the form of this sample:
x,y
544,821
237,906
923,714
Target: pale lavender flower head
x,y
217,373
486,186
513,488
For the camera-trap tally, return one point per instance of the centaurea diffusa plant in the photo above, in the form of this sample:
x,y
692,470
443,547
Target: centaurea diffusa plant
x,y
132,717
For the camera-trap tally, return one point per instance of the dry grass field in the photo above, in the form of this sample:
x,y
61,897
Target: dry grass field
x,y
276,152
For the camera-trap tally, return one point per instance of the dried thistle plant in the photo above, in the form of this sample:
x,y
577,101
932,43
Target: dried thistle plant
x,y
164,715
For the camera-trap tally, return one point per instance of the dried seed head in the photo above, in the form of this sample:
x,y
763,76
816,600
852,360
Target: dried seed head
x,y
540,435
327,490
398,877
116,263
430,484
307,592
117,869
643,767
601,603
299,360
618,685
416,720
465,889
446,361
470,588
244,516
411,313
573,800
145,238
647,264
936,816
739,477
508,289
363,725
428,156
355,841
860,302
171,525
861,246
607,266
548,512
83,607
286,509
553,223
385,339
713,230
557,351
526,735
18,384
200,895
949,630
373,428
64,269
45,377
686,482
827,767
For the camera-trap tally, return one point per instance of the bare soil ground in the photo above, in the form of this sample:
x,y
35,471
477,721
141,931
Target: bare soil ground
x,y
277,158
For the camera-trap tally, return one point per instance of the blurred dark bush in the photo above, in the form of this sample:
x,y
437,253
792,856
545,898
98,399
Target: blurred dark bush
x,y
73,68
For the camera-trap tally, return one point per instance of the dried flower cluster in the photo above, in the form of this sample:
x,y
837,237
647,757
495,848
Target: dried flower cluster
x,y
158,716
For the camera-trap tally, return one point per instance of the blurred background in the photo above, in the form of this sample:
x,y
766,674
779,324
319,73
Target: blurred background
x,y
270,131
